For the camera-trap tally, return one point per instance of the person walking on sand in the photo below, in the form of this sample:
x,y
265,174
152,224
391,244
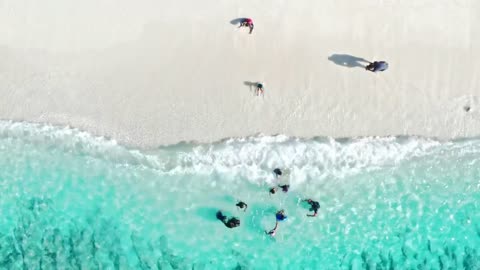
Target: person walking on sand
x,y
242,205
259,89
247,22
314,206
377,66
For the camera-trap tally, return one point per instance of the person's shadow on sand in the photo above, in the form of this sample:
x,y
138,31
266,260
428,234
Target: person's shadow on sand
x,y
349,61
252,86
237,21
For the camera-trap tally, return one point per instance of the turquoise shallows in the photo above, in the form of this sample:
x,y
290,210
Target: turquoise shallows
x,y
73,201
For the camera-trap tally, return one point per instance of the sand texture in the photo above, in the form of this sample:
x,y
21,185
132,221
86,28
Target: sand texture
x,y
148,73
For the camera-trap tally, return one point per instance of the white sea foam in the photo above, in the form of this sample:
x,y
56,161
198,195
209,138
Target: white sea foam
x,y
251,158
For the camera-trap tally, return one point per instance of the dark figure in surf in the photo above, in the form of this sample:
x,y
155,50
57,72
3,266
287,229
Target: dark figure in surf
x,y
277,172
283,187
242,205
377,66
230,223
314,206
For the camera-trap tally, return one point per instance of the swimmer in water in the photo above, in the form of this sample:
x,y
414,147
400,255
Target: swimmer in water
x,y
231,223
242,205
277,172
280,215
284,188
314,206
273,231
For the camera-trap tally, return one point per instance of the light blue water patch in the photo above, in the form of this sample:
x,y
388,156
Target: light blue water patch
x,y
72,201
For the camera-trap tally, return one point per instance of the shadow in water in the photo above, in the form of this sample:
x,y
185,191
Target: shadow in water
x,y
349,61
227,198
256,214
207,213
237,21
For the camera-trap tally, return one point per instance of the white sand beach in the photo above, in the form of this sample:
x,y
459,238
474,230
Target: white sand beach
x,y
148,73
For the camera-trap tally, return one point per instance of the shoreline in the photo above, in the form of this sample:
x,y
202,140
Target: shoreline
x,y
164,73
62,132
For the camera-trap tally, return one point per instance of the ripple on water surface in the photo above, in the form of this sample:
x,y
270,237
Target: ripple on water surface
x,y
73,201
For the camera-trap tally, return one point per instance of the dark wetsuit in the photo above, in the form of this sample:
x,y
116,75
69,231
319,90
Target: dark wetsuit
x,y
277,172
221,217
242,205
231,223
314,206
284,187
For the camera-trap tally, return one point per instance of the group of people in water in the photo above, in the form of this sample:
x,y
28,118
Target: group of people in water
x,y
374,66
280,215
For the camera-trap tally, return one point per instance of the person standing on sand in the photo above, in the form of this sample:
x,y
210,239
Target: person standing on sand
x,y
259,89
247,22
377,66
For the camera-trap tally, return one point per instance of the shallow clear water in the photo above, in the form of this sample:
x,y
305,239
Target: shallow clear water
x,y
72,201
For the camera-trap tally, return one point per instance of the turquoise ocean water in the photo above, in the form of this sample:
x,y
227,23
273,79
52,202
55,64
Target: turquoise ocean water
x,y
73,201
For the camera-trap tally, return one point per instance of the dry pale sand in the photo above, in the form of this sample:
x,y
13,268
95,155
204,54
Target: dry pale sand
x,y
158,72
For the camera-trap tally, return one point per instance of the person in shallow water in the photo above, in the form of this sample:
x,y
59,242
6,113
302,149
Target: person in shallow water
x,y
314,206
280,215
283,187
273,231
277,172
377,66
230,223
242,205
